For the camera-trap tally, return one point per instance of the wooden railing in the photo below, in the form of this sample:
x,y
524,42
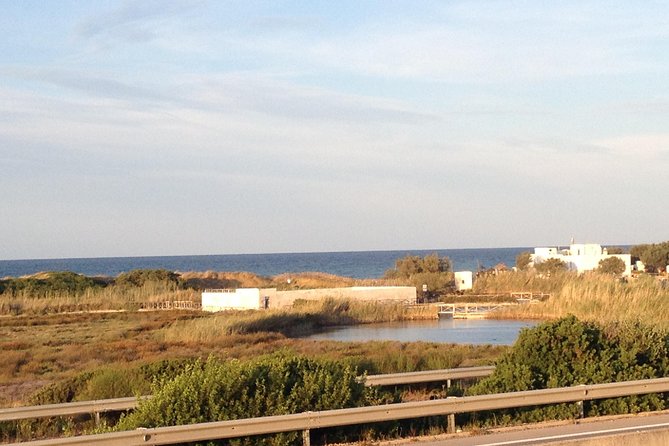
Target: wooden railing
x,y
171,305
347,417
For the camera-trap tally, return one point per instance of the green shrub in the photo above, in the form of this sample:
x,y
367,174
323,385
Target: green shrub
x,y
138,277
550,267
273,385
655,256
63,282
611,265
431,270
569,352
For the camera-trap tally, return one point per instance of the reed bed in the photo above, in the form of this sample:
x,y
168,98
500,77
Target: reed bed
x,y
601,298
94,299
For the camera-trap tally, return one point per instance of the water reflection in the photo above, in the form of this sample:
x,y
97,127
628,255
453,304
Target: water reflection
x,y
456,331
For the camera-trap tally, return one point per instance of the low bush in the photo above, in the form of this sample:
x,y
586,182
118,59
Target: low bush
x,y
226,390
570,352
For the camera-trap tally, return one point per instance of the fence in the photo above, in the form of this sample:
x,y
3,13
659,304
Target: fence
x,y
171,305
346,417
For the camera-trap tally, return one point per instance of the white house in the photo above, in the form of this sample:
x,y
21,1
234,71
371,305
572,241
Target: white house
x,y
581,257
463,280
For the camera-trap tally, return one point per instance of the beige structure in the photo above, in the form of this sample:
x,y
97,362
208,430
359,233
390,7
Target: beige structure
x,y
259,298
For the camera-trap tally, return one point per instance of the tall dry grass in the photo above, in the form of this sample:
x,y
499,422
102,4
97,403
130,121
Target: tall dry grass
x,y
514,281
603,299
93,299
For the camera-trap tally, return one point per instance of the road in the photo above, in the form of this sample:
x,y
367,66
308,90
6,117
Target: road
x,y
564,432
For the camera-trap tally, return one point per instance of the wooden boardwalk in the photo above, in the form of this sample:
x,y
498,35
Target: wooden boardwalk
x,y
470,310
479,310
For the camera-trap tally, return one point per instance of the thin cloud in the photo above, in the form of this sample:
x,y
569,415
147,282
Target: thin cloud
x,y
130,19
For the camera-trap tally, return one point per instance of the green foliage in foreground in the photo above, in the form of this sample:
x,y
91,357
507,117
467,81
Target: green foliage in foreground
x,y
273,385
570,352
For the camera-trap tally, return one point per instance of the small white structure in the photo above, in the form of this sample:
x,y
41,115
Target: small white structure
x,y
238,299
463,280
580,257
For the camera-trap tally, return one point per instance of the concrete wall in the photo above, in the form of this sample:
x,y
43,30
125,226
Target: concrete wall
x,y
378,293
239,299
255,298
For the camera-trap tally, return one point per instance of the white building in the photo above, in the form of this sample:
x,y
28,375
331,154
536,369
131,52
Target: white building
x,y
238,299
463,280
581,257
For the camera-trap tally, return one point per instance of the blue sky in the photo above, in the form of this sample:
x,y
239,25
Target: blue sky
x,y
214,127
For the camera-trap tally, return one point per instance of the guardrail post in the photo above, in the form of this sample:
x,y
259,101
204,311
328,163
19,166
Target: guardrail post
x,y
450,420
581,408
306,437
97,418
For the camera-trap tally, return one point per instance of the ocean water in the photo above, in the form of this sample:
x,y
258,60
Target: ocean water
x,y
356,264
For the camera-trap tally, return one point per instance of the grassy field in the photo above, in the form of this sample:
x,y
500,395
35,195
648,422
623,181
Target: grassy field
x,y
45,343
40,349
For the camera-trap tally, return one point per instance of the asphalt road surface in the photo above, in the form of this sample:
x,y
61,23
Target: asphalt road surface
x,y
554,434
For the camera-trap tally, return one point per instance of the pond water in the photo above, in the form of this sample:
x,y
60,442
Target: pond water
x,y
455,331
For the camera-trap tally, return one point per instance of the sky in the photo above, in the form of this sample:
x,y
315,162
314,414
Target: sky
x,y
179,127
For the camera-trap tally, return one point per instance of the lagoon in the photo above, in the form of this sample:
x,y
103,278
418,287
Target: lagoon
x,y
455,331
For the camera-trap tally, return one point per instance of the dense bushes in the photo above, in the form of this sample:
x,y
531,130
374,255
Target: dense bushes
x,y
139,277
655,256
273,385
431,270
611,265
569,352
49,284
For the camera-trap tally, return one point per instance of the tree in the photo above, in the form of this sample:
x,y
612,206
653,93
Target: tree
x,y
431,270
550,266
523,260
611,265
655,256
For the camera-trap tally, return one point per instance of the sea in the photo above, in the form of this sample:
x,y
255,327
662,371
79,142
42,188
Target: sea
x,y
355,264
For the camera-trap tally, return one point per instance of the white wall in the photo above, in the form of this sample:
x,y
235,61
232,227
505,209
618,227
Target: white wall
x,y
254,298
239,299
463,280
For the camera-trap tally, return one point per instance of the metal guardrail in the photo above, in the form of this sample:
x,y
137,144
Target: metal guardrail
x,y
67,409
121,404
345,417
428,376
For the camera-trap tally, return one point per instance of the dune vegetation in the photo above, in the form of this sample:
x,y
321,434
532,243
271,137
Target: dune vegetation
x,y
592,296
